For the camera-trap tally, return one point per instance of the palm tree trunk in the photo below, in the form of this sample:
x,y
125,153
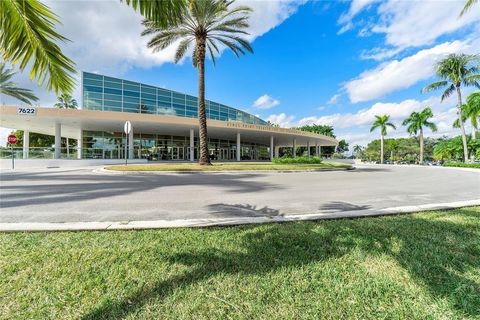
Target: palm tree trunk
x,y
462,127
421,146
381,149
202,119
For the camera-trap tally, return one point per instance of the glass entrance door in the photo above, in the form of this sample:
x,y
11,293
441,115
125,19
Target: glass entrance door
x,y
178,153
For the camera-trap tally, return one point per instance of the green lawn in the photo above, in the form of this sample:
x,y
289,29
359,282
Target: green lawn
x,y
420,266
227,166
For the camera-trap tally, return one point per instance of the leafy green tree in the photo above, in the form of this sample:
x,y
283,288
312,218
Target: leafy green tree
x,y
468,5
27,37
326,130
415,124
457,70
342,146
452,149
206,24
382,122
65,101
471,110
10,88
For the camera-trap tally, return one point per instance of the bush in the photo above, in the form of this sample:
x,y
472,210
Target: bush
x,y
462,165
290,160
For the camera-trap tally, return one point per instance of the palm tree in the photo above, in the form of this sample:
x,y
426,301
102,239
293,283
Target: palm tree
x,y
27,37
207,24
382,122
10,88
471,110
163,12
468,5
65,101
357,149
415,123
457,70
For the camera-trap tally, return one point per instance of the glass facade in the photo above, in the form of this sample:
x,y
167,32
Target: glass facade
x,y
111,145
112,94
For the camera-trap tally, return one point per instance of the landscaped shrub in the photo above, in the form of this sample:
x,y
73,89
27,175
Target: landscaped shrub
x,y
290,160
462,165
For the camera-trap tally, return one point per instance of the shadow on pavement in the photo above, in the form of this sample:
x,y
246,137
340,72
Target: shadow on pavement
x,y
242,210
57,187
335,206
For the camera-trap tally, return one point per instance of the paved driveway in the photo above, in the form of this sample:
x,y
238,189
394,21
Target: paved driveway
x,y
73,195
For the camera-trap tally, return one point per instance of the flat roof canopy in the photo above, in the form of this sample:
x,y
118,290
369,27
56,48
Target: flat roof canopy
x,y
72,121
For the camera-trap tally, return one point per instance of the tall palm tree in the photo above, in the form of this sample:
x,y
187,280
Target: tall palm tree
x,y
468,5
471,110
65,101
457,70
415,123
10,88
206,24
382,122
27,37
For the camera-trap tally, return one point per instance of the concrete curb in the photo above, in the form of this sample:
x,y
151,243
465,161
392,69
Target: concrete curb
x,y
221,222
106,171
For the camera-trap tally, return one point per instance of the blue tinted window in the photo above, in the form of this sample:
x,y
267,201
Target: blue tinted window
x,y
112,91
93,89
131,94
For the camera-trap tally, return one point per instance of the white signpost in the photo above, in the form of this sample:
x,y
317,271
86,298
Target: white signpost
x,y
127,128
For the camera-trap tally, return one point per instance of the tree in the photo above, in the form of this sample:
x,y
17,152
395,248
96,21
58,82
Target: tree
x,y
457,70
342,146
415,123
27,37
471,110
468,5
326,130
382,122
207,24
65,101
357,150
10,88
163,12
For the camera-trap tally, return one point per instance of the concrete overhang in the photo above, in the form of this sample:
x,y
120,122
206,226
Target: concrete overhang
x,y
73,120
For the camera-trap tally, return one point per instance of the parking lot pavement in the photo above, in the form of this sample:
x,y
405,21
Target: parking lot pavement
x,y
86,195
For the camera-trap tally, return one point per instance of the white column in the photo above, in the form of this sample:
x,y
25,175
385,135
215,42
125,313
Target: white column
x,y
320,151
130,144
238,146
80,144
316,149
58,140
308,147
271,148
294,148
26,143
192,145
277,152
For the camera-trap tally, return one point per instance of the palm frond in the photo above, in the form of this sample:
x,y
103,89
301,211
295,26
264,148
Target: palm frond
x,y
27,38
9,88
163,12
448,92
434,86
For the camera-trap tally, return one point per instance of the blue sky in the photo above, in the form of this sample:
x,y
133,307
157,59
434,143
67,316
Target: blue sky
x,y
324,62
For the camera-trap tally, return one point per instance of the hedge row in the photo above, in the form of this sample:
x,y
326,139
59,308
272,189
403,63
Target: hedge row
x,y
290,160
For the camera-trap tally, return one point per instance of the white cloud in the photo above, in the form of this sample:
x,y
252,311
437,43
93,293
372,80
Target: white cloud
x,y
400,74
354,127
334,99
412,23
355,7
417,23
265,102
281,119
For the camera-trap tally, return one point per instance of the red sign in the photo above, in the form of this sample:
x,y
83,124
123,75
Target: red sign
x,y
12,139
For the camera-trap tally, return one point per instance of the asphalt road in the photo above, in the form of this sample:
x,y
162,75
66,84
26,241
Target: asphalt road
x,y
75,195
